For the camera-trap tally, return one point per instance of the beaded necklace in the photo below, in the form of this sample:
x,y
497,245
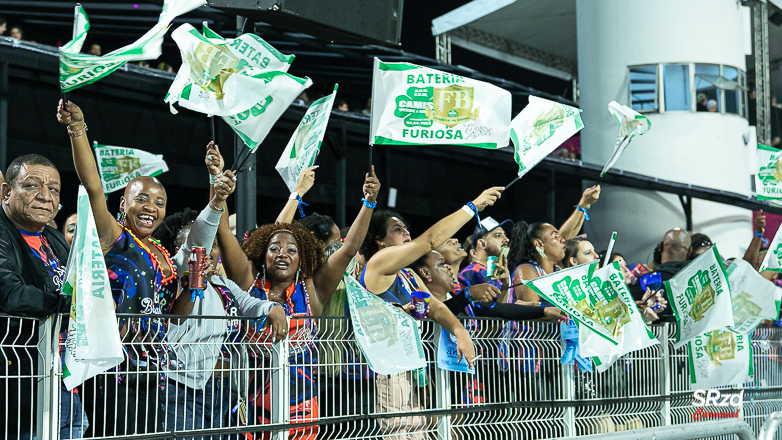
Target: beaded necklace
x,y
156,263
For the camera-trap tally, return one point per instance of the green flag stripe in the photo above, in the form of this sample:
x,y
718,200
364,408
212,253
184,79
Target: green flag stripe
x,y
380,140
396,66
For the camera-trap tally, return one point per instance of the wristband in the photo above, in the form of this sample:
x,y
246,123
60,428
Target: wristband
x,y
584,210
213,178
301,205
471,205
762,238
468,210
294,196
367,204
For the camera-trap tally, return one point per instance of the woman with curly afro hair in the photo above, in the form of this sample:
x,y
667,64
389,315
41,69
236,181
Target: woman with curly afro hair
x,y
284,263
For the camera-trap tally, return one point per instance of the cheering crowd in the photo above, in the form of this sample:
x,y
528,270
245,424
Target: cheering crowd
x,y
279,274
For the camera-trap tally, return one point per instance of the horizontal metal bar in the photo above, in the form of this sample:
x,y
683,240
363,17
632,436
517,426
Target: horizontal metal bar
x,y
682,432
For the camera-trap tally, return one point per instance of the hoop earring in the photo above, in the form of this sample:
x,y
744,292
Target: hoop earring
x,y
541,252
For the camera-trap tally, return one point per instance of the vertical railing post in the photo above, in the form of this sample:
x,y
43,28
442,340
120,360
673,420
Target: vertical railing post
x,y
46,407
443,393
280,400
665,367
569,395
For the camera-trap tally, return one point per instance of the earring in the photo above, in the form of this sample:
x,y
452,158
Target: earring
x,y
297,275
121,217
541,252
428,280
263,279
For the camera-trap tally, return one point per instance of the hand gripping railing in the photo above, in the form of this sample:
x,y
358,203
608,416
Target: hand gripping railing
x,y
682,432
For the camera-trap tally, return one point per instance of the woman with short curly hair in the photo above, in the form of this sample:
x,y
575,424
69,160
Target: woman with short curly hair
x,y
284,263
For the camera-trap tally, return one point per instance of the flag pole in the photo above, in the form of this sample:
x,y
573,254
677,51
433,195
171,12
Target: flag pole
x,y
73,37
370,159
610,249
512,182
241,160
212,119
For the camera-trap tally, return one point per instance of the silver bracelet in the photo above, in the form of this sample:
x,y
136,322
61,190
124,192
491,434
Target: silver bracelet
x,y
221,210
213,178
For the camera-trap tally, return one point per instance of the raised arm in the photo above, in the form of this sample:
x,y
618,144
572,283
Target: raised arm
x,y
573,224
330,274
751,256
87,170
387,262
306,180
237,266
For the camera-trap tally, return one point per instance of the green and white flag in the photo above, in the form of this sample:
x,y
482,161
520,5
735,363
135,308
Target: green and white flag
x,y
768,178
81,24
614,307
541,128
304,146
754,298
631,123
93,344
700,297
571,291
225,77
78,69
253,124
773,259
388,337
720,358
119,165
415,105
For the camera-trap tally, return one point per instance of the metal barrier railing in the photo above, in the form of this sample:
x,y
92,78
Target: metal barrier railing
x,y
218,377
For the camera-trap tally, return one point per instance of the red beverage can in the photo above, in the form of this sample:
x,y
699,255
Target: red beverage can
x,y
195,264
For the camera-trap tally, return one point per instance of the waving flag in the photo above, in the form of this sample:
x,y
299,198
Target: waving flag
x,y
78,70
415,105
540,128
753,298
768,178
93,344
614,306
225,77
700,297
388,337
571,291
631,123
304,145
720,358
119,165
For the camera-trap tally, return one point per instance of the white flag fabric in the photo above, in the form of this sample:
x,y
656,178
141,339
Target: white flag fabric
x,y
304,145
93,344
119,165
700,297
225,77
754,298
570,290
631,123
720,358
773,259
81,24
388,337
78,69
541,128
254,124
415,105
768,178
613,306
